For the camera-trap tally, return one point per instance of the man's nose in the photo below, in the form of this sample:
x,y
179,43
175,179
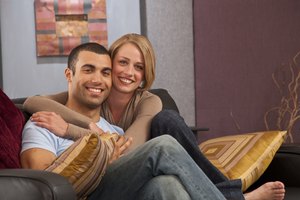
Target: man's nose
x,y
97,78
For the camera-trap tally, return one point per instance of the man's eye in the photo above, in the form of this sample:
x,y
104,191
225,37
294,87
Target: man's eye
x,y
87,70
107,72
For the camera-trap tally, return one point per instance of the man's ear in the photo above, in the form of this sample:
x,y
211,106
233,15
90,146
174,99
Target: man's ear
x,y
68,74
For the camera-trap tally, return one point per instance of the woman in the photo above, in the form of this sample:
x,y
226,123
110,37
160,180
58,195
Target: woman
x,y
132,107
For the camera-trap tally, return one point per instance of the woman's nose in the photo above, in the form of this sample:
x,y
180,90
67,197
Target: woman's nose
x,y
129,70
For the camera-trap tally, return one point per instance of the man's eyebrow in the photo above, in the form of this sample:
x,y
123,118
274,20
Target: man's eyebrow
x,y
107,68
88,65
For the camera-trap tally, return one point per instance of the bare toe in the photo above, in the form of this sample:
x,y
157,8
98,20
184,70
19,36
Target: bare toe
x,y
268,191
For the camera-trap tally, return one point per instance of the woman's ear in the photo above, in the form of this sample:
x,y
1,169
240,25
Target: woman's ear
x,y
142,84
68,74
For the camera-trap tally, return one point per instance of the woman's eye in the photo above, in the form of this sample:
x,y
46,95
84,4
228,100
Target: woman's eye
x,y
123,62
140,67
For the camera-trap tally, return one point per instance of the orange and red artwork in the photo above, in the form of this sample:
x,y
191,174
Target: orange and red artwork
x,y
63,24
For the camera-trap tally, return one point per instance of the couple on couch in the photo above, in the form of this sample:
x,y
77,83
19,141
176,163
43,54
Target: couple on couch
x,y
158,169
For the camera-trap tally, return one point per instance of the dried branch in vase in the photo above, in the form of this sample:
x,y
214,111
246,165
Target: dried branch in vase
x,y
236,124
286,113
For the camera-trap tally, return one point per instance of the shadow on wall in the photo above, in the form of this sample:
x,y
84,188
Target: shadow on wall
x,y
53,59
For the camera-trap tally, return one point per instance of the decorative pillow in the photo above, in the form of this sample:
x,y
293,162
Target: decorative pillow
x,y
244,157
11,125
84,162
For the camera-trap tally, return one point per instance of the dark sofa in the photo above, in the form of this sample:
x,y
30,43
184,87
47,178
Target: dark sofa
x,y
28,184
284,167
33,184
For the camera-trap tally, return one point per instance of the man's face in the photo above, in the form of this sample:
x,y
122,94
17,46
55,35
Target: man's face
x,y
91,83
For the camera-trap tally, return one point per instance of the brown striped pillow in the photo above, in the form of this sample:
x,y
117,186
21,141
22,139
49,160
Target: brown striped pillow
x,y
84,162
245,156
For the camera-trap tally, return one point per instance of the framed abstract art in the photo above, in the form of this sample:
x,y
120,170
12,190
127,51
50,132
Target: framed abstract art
x,y
63,24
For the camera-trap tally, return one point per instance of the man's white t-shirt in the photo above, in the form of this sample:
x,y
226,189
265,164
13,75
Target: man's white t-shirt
x,y
34,136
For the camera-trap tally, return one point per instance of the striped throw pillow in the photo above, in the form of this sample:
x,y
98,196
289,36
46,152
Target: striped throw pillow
x,y
244,156
84,162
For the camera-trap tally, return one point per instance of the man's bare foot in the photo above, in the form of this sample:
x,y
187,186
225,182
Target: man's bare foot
x,y
268,191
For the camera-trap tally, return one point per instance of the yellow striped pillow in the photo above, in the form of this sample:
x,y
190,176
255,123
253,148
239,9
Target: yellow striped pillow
x,y
84,162
245,156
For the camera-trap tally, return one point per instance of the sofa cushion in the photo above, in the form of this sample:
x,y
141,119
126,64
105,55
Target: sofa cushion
x,y
11,125
244,156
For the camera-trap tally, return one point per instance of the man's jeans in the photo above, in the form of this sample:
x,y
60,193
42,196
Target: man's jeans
x,y
171,123
159,169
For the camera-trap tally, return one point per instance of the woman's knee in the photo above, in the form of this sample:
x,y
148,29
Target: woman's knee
x,y
164,117
167,114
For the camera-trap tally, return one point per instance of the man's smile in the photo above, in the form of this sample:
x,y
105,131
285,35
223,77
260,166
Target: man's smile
x,y
95,90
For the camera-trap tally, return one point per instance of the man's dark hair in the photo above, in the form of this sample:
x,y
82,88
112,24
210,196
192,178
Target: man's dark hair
x,y
91,46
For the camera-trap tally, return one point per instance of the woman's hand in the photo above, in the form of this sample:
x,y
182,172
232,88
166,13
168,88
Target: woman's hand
x,y
51,121
121,145
93,127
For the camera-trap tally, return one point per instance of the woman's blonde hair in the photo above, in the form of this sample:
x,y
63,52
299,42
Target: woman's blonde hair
x,y
144,45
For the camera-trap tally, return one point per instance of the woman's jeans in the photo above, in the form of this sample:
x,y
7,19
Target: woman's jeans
x,y
171,123
160,169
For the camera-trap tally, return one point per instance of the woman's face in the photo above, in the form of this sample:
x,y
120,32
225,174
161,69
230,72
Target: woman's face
x,y
128,69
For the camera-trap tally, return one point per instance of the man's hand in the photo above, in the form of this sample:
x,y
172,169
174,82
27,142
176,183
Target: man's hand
x,y
121,145
51,121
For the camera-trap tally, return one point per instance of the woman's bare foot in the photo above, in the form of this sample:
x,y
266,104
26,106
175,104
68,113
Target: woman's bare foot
x,y
268,191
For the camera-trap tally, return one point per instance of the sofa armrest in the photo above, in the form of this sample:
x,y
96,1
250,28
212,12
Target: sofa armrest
x,y
34,185
284,167
197,129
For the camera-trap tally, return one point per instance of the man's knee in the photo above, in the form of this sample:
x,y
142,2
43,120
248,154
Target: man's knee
x,y
165,141
166,144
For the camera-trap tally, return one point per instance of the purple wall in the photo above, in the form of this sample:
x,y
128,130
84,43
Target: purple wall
x,y
238,45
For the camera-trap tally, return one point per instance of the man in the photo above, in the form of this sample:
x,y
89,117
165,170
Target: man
x,y
160,169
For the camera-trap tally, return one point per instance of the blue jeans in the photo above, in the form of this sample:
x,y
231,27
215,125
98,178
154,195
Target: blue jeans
x,y
171,123
156,170
163,187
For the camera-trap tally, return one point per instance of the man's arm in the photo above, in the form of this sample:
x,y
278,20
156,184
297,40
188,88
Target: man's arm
x,y
37,158
39,147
